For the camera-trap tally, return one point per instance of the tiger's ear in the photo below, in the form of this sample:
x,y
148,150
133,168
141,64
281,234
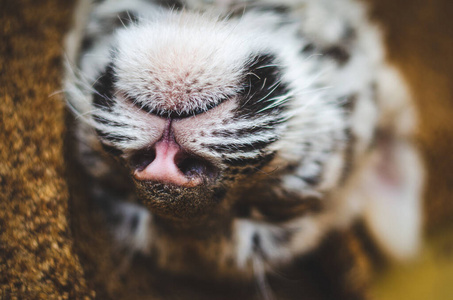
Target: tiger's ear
x,y
391,183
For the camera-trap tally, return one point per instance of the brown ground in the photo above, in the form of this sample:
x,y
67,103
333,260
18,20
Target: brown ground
x,y
37,258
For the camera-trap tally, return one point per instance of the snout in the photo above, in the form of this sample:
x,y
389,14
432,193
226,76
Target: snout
x,y
175,183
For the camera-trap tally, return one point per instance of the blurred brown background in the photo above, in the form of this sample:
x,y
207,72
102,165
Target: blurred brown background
x,y
420,41
36,247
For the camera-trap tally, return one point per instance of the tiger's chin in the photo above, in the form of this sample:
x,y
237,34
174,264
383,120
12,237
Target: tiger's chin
x,y
191,205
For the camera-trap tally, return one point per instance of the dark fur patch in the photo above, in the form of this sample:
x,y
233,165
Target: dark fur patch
x,y
308,48
374,91
349,103
337,53
219,193
104,86
262,87
111,150
242,210
349,34
282,211
87,43
134,223
110,23
313,180
248,171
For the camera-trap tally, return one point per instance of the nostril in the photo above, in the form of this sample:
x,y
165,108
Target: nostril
x,y
140,160
192,166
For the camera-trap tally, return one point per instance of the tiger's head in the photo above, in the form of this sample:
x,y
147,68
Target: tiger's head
x,y
253,124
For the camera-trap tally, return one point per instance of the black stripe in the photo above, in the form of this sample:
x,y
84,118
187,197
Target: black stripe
x,y
174,114
110,123
348,156
104,86
114,138
261,86
261,159
277,8
260,128
173,4
237,11
242,148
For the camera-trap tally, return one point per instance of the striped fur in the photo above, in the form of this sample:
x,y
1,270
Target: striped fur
x,y
291,102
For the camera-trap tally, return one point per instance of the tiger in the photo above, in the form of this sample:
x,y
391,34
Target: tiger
x,y
227,138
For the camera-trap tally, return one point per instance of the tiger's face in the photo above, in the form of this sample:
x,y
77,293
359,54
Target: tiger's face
x,y
247,137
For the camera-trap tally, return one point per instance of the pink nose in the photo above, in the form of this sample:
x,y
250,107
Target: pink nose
x,y
164,168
